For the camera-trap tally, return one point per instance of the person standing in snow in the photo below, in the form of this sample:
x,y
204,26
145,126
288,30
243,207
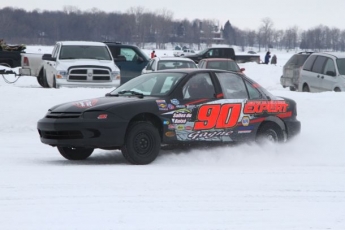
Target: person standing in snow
x,y
267,57
274,60
153,54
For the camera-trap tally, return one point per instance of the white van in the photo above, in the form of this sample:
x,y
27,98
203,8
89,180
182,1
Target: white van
x,y
323,72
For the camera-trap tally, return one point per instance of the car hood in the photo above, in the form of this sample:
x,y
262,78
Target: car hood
x,y
102,103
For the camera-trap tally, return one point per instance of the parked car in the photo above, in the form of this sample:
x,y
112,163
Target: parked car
x,y
220,63
292,70
161,63
170,107
323,72
183,52
129,58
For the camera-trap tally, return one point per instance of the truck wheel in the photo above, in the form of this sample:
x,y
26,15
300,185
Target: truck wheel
x,y
44,79
142,143
270,132
54,84
79,153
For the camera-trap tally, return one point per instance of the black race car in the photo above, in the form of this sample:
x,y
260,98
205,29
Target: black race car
x,y
170,107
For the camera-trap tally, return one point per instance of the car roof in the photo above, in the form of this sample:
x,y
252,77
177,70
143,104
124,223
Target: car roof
x,y
335,54
218,59
171,58
84,43
192,70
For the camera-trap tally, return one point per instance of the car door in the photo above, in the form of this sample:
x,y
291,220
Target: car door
x,y
130,62
313,78
196,92
329,77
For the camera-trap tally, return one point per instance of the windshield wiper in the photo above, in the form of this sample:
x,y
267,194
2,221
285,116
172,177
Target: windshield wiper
x,y
135,93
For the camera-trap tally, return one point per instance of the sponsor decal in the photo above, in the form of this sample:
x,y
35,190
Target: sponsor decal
x,y
188,127
179,121
171,106
175,101
245,120
207,135
180,127
170,134
86,103
166,122
171,126
258,107
180,106
162,105
182,115
244,131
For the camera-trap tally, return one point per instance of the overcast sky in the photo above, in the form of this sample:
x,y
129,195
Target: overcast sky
x,y
244,14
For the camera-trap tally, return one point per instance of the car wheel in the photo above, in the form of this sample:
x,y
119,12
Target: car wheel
x,y
292,88
142,143
270,132
44,80
337,90
305,88
54,83
78,153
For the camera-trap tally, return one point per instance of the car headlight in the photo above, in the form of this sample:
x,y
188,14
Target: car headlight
x,y
115,75
61,74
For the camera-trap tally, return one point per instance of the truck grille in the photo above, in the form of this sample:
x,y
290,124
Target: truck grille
x,y
89,75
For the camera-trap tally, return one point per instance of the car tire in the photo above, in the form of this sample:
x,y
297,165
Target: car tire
x,y
54,83
292,88
337,90
305,88
44,80
270,132
142,143
40,79
73,154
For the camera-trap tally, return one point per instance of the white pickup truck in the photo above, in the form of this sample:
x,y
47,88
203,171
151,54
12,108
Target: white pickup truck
x,y
71,64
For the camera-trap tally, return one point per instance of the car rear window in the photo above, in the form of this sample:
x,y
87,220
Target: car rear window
x,y
309,63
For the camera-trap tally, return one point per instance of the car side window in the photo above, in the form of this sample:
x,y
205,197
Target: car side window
x,y
309,63
201,64
253,92
129,54
199,86
319,64
329,67
233,86
149,66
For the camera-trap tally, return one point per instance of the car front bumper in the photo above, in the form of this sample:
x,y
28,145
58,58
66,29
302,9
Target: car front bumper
x,y
78,132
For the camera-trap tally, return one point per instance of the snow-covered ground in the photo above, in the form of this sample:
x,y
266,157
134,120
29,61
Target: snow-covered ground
x,y
297,185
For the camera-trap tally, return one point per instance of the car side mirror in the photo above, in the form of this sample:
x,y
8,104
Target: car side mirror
x,y
242,70
140,59
330,73
48,57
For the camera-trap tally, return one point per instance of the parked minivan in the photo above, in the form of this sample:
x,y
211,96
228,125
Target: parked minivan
x,y
292,69
323,72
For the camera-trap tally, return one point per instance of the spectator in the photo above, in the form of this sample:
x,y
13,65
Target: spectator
x,y
267,57
153,54
274,60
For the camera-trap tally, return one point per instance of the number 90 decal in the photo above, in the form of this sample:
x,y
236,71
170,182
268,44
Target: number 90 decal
x,y
218,116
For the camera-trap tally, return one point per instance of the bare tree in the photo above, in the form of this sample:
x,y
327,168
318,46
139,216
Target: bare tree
x,y
266,32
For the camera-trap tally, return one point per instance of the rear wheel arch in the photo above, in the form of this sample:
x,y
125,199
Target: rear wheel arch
x,y
275,120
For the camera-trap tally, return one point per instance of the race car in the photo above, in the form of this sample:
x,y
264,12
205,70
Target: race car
x,y
170,107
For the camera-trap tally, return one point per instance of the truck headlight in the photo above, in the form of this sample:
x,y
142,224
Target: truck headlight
x,y
61,74
115,75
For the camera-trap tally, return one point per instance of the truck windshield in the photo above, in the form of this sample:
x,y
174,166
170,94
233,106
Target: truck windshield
x,y
84,52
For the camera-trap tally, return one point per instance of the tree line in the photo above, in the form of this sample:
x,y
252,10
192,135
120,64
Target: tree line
x,y
140,26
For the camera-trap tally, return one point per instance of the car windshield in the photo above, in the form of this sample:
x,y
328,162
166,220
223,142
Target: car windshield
x,y
151,84
341,66
176,64
84,52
